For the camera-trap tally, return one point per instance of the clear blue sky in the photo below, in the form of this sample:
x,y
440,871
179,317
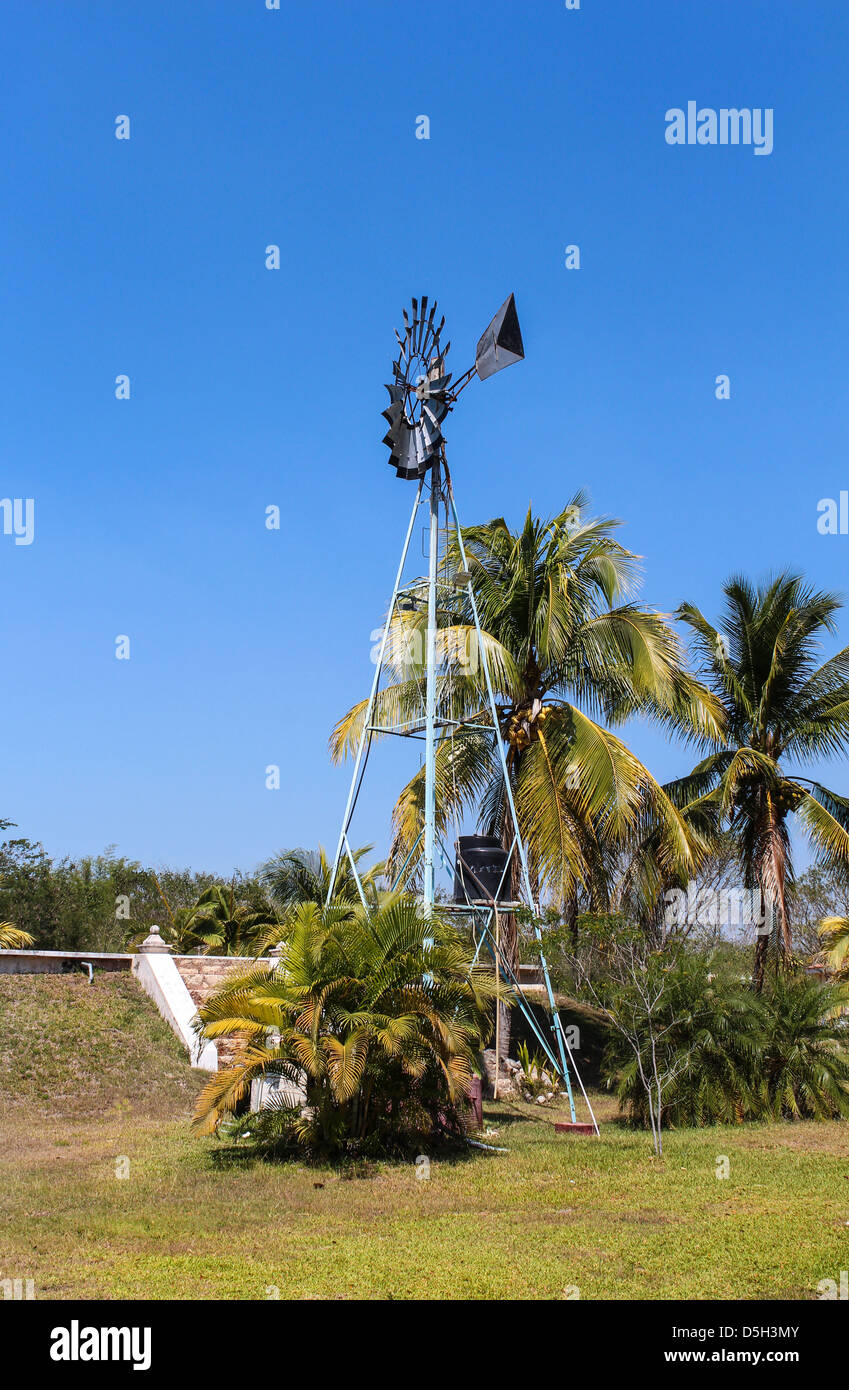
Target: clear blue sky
x,y
251,387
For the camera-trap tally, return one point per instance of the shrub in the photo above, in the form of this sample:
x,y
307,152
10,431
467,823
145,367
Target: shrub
x,y
374,1022
728,1054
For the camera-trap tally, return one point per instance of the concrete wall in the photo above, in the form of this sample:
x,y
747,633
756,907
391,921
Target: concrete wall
x,y
202,975
158,975
59,962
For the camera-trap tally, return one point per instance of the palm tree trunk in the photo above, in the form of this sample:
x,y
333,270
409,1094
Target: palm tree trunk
x,y
761,948
570,916
772,884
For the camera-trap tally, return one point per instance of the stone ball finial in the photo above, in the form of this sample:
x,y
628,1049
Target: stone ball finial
x,y
153,943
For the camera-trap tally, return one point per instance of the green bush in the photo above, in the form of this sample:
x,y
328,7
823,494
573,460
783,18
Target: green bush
x,y
373,1021
729,1055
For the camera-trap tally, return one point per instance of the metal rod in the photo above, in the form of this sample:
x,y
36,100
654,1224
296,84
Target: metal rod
x,y
522,1004
372,697
396,733
403,868
492,910
580,1082
430,697
353,864
492,707
461,383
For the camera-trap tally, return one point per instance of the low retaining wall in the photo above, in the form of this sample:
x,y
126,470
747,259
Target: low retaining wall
x,y
178,985
202,976
159,977
60,962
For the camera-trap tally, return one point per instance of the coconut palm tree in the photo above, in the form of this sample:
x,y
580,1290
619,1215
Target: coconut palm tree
x,y
781,710
373,1020
303,876
570,654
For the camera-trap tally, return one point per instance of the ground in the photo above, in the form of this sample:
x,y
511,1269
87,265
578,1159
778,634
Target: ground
x,y
95,1085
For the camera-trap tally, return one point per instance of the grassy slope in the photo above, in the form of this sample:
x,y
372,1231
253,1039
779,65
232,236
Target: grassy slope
x,y
194,1219
76,1050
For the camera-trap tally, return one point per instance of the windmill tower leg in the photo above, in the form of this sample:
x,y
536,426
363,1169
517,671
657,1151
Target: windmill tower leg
x,y
366,735
430,698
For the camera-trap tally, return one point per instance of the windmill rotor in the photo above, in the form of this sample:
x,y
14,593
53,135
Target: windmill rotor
x,y
419,397
421,392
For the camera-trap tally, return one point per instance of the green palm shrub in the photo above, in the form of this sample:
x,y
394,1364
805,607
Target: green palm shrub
x,y
379,1018
13,939
728,1054
804,1050
706,1032
222,924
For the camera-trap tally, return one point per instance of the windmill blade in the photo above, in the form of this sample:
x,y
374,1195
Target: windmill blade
x,y
434,417
394,417
408,453
436,383
431,434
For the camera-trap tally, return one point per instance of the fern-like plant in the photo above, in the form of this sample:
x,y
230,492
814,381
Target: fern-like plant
x,y
373,1022
706,1035
804,1050
728,1054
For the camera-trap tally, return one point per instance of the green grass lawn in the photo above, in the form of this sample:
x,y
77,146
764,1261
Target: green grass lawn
x,y
196,1219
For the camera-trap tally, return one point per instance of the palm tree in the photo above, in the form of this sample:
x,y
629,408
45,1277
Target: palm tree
x,y
699,1031
834,932
731,1055
303,876
13,939
570,653
372,1019
222,925
803,1056
780,707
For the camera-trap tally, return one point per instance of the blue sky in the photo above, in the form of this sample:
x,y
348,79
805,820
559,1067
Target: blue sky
x,y
252,387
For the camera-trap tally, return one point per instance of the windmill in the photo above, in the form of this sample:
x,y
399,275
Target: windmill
x,y
422,393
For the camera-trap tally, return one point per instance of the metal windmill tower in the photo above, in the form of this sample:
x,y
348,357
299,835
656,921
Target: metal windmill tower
x,y
421,395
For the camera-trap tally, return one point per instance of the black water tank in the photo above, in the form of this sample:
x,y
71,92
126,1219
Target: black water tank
x,y
486,857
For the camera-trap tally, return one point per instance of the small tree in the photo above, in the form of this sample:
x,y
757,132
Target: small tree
x,y
632,984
